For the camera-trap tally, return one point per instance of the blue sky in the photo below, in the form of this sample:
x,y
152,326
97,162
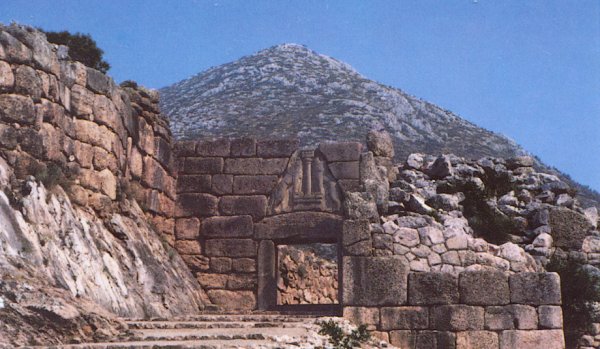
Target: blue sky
x,y
527,69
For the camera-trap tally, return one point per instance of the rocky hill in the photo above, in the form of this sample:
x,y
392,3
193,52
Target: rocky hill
x,y
291,90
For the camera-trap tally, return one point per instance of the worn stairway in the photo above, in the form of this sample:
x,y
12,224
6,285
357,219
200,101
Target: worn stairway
x,y
216,331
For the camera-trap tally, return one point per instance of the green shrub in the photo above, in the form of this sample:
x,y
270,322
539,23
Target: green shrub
x,y
341,340
82,48
580,289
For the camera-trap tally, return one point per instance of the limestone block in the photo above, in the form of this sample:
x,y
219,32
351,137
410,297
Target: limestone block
x,y
82,101
222,184
432,288
361,206
406,236
14,50
456,317
72,72
145,134
370,281
535,288
104,160
267,275
404,318
509,317
542,339
212,148
7,78
203,165
188,247
356,237
98,82
211,281
431,235
255,166
16,108
485,287
362,315
28,82
185,148
105,112
162,151
196,263
380,143
230,248
435,340
403,338
241,281
233,300
194,184
568,228
227,227
244,265
253,205
187,228
200,205
477,340
220,264
154,175
345,170
550,316
299,224
89,132
136,163
108,183
256,184
276,148
341,151
243,147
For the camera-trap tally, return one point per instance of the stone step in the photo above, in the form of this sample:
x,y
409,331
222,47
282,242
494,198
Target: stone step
x,y
237,318
134,325
188,344
218,333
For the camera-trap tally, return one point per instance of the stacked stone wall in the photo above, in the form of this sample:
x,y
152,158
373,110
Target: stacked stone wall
x,y
474,309
63,121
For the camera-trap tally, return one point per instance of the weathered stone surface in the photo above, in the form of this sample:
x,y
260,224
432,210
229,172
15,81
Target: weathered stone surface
x,y
403,338
16,108
227,227
201,205
220,264
432,288
196,263
543,339
222,184
276,148
230,248
306,225
233,300
362,315
550,316
28,82
485,287
341,151
380,143
194,184
7,78
219,147
519,161
187,228
244,265
356,237
535,288
435,340
203,165
370,281
243,147
255,166
185,148
188,247
211,281
345,170
267,275
253,184
361,206
14,50
404,318
476,340
98,82
568,228
456,317
441,168
254,205
509,317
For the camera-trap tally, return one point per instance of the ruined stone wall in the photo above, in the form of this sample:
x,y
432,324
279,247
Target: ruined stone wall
x,y
63,122
476,309
237,198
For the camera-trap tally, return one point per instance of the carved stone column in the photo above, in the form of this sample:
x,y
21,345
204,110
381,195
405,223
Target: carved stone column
x,y
307,159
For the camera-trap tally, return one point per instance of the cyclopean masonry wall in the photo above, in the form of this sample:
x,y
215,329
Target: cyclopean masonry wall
x,y
61,119
416,282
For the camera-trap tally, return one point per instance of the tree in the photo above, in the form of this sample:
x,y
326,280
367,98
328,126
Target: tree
x,y
82,48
